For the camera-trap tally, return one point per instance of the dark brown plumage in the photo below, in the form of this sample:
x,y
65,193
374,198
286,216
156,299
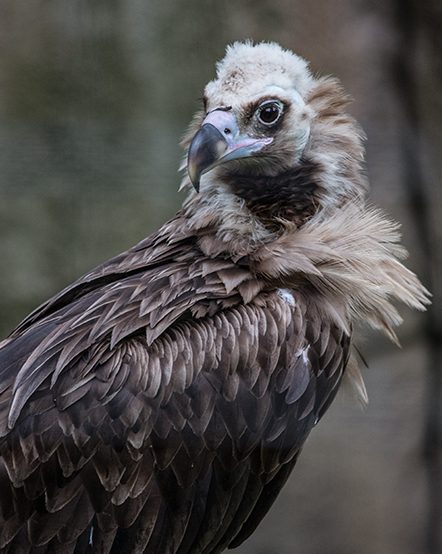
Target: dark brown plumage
x,y
159,403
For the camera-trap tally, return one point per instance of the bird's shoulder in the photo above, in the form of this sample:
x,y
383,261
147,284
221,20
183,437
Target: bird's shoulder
x,y
120,310
137,385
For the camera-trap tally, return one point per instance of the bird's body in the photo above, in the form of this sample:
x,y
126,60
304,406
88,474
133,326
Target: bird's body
x,y
159,403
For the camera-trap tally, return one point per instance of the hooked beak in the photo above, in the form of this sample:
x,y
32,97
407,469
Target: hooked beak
x,y
219,141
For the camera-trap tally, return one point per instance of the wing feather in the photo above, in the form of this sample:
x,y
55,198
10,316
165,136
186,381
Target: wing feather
x,y
153,409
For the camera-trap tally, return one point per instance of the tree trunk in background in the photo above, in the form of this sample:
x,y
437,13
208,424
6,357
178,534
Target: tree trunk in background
x,y
419,92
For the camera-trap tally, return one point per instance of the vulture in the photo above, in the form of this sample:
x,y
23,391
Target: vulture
x,y
160,402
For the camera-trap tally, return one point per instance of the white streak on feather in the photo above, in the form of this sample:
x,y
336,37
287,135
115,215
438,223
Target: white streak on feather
x,y
303,353
287,296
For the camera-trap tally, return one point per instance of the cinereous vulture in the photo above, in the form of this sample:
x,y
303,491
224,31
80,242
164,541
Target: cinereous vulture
x,y
159,403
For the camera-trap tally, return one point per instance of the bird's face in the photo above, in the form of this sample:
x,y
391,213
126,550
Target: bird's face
x,y
275,138
254,116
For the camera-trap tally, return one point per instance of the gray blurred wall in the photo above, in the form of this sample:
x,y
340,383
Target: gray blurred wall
x,y
94,97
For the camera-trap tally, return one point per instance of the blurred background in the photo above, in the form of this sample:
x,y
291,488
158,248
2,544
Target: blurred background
x,y
94,97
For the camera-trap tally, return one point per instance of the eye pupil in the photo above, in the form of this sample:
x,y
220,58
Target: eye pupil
x,y
269,113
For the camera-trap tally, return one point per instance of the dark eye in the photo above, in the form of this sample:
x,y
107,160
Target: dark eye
x,y
269,112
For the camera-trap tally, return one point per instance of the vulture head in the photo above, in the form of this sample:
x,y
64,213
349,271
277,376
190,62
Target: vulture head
x,y
274,138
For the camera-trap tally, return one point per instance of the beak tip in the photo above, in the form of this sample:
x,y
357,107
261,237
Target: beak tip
x,y
194,176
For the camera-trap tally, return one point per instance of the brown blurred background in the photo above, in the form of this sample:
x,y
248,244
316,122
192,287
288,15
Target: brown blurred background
x,y
94,96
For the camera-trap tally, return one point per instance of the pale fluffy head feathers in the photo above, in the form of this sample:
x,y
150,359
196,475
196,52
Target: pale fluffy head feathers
x,y
249,70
